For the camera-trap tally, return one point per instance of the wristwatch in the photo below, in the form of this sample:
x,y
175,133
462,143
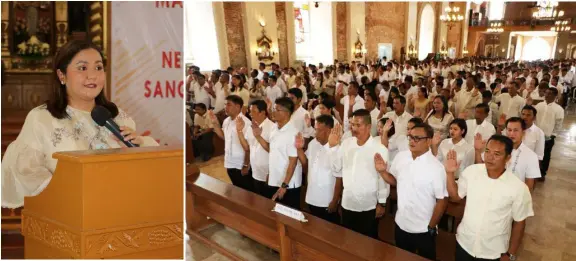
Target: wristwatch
x,y
433,231
512,257
284,185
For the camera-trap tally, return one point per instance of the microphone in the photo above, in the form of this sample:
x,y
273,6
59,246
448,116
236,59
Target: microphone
x,y
103,117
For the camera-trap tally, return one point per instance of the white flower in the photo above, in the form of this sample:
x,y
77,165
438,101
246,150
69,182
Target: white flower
x,y
45,46
22,46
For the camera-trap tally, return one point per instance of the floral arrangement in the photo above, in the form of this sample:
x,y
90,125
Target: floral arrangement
x,y
33,48
20,26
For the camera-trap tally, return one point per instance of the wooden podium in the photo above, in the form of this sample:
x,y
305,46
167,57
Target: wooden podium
x,y
118,203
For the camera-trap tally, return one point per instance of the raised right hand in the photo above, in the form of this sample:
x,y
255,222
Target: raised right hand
x,y
479,143
335,135
379,163
451,164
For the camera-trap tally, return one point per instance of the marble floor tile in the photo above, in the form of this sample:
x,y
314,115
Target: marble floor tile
x,y
550,235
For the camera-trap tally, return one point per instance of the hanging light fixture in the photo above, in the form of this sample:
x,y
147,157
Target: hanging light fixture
x,y
495,27
451,16
561,26
546,10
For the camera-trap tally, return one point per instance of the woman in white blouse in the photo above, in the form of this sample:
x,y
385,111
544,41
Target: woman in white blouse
x,y
456,142
439,117
238,88
64,123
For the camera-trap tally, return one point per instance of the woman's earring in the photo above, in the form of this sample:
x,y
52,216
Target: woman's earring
x,y
62,82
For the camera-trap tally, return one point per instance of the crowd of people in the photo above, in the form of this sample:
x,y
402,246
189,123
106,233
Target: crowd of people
x,y
475,128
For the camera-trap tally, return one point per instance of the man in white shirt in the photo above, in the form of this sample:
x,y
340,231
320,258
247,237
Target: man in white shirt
x,y
273,92
258,140
511,103
533,136
280,82
371,104
199,88
285,175
351,103
236,156
261,72
549,118
298,85
494,197
219,92
524,161
422,196
324,189
480,124
202,133
300,116
365,192
399,116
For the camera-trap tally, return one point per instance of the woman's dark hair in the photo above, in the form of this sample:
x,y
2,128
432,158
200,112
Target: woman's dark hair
x,y
58,100
390,99
461,123
444,106
392,131
425,91
241,83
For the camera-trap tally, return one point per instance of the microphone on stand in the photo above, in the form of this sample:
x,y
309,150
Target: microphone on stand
x,y
103,117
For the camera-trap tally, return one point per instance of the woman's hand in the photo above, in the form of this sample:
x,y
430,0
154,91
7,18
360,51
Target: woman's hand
x,y
129,135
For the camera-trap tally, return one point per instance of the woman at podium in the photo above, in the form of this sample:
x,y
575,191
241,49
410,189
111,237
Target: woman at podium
x,y
63,123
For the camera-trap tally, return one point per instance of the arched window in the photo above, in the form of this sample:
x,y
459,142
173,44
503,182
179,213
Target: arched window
x,y
536,49
200,36
426,36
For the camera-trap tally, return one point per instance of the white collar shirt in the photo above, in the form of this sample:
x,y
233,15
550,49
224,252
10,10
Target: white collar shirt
x,y
549,117
233,151
321,178
298,120
374,117
464,153
534,139
400,122
358,104
420,183
258,155
281,148
363,186
524,163
486,130
491,206
511,106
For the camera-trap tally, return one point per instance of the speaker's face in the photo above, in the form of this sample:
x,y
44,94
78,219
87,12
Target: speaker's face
x,y
85,76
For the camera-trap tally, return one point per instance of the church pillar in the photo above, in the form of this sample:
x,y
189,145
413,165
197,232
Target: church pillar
x,y
220,26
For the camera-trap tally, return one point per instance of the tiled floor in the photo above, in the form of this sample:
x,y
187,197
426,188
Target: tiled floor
x,y
550,234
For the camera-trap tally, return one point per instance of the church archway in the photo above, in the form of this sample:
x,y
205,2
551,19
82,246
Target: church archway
x,y
426,35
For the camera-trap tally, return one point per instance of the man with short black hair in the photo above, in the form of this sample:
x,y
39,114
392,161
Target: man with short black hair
x,y
533,135
420,179
236,154
549,118
480,125
273,91
258,139
324,189
285,176
301,117
494,198
202,133
365,192
399,116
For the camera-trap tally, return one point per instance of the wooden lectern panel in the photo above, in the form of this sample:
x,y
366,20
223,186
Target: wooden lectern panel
x,y
119,203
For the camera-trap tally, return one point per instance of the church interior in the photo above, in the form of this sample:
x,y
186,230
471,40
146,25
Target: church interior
x,y
227,223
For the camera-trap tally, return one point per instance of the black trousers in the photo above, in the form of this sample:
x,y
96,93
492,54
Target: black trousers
x,y
462,255
243,181
362,222
203,146
423,244
291,197
322,213
260,188
545,163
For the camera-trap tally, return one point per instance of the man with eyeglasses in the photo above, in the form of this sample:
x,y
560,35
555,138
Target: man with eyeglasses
x,y
365,192
421,181
524,162
494,198
285,176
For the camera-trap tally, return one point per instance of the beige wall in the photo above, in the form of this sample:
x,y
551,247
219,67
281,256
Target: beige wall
x,y
356,14
253,13
220,25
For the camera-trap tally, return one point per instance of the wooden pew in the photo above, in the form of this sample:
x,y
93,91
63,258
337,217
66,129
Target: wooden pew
x,y
251,215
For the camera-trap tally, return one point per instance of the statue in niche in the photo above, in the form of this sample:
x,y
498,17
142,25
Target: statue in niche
x,y
32,17
264,45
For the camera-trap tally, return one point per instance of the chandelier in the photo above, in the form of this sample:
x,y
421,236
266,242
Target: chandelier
x,y
495,27
451,16
547,10
560,26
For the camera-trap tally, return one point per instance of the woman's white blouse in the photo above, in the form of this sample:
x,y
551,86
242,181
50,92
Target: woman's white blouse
x,y
28,165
